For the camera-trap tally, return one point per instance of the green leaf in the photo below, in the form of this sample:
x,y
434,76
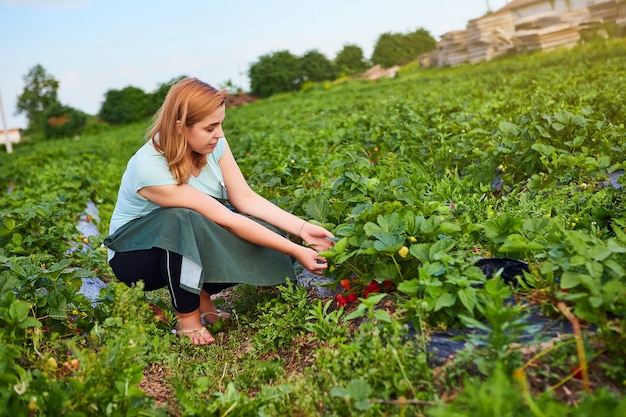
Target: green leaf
x,y
318,209
544,149
595,269
382,315
570,280
360,311
619,233
595,302
614,246
615,267
16,239
10,224
18,310
440,246
421,251
409,287
341,245
472,323
468,298
445,300
29,322
518,243
385,271
448,228
340,392
388,242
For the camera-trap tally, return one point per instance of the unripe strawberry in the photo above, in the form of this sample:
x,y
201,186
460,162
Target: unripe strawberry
x,y
51,364
403,252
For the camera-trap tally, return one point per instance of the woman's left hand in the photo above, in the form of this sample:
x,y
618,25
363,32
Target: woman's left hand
x,y
316,236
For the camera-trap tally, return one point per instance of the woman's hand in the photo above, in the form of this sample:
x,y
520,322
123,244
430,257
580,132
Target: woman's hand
x,y
316,236
310,260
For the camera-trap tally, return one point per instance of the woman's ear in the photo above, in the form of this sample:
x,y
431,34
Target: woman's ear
x,y
178,125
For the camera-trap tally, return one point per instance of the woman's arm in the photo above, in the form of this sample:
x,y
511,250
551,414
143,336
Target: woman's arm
x,y
244,199
191,198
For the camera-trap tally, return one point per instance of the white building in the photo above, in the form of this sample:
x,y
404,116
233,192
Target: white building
x,y
14,136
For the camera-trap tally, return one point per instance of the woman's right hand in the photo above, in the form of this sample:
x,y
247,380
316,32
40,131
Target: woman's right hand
x,y
310,260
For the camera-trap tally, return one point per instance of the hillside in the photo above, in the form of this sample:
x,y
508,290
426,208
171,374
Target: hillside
x,y
424,179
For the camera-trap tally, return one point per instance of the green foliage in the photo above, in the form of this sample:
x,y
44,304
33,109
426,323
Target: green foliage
x,y
275,73
590,273
281,319
401,48
316,67
158,95
39,95
128,105
496,341
325,323
418,178
63,121
350,60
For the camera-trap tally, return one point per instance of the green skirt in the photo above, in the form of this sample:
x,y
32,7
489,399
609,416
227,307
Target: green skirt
x,y
222,256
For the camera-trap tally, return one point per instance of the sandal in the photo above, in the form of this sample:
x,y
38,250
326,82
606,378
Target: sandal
x,y
218,315
188,332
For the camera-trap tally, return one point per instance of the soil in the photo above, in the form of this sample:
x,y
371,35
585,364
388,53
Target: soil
x,y
239,99
540,374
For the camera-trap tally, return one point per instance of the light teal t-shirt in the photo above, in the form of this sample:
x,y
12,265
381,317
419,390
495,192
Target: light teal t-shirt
x,y
149,168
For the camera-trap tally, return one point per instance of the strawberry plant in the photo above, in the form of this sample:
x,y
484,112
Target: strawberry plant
x,y
419,178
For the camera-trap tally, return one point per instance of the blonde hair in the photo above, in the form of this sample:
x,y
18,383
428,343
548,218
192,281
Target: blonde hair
x,y
188,101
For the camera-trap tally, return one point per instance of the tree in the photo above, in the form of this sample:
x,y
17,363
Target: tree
x,y
350,60
275,73
40,93
128,105
158,95
399,49
419,42
316,67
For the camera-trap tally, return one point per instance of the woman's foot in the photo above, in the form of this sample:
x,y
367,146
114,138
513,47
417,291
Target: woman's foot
x,y
212,317
208,313
189,325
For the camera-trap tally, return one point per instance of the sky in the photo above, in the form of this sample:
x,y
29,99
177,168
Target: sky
x,y
93,46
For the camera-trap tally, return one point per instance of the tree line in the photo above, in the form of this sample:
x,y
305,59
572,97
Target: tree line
x,y
274,73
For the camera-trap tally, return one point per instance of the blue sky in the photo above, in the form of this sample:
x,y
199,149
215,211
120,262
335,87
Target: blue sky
x,y
92,46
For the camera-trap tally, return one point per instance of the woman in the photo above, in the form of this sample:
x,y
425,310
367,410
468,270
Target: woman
x,y
171,227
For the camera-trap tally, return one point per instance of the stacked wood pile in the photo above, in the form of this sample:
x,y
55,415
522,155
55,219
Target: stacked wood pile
x,y
603,10
377,72
548,31
621,10
452,50
505,31
548,38
621,16
489,36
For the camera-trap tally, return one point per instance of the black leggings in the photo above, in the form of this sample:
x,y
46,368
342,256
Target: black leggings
x,y
159,268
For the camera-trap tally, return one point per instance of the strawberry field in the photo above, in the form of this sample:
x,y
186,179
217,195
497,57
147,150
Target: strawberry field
x,y
421,178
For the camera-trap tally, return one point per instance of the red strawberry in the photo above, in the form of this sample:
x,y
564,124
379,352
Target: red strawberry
x,y
346,284
388,285
341,300
578,372
373,286
352,298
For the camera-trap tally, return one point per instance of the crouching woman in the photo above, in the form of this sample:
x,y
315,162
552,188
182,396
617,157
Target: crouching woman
x,y
171,226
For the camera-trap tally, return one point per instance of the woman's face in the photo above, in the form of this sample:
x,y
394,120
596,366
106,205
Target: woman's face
x,y
202,137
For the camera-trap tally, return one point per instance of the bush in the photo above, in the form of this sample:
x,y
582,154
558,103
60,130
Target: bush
x,y
63,121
